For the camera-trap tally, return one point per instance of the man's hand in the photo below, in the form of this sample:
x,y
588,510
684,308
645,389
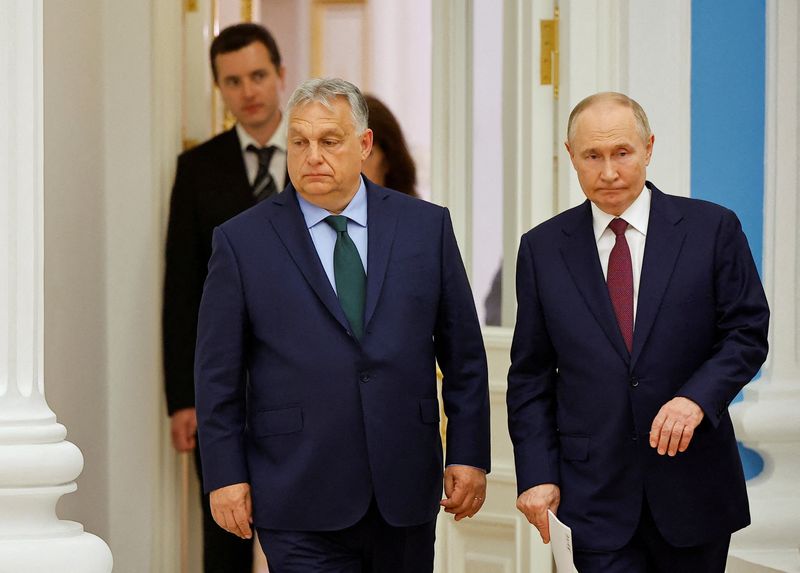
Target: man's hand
x,y
674,425
464,490
535,502
184,429
232,509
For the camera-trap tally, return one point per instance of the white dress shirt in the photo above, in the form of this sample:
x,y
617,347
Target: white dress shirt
x,y
277,165
637,216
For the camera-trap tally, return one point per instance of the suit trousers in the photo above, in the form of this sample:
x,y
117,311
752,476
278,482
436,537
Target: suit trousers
x,y
649,552
223,552
369,546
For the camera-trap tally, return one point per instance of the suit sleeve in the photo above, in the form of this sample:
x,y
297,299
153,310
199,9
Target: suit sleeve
x,y
462,359
532,379
184,270
742,316
220,375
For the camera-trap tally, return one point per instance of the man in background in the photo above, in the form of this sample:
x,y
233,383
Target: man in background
x,y
215,181
640,317
324,313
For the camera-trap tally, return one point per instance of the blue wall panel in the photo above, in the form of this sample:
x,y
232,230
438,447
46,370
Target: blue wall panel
x,y
728,63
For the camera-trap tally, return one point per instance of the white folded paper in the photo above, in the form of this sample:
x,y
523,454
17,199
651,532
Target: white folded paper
x,y
561,544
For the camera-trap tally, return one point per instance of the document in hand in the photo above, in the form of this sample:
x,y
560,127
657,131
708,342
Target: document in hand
x,y
561,544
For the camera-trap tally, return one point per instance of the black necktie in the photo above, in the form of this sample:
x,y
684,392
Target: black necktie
x,y
349,275
263,184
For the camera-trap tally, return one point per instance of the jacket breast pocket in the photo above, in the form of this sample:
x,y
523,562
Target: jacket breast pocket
x,y
574,448
277,422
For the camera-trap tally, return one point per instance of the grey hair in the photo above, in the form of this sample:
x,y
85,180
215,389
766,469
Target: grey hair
x,y
325,91
642,124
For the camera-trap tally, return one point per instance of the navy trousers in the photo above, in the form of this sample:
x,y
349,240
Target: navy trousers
x,y
369,546
649,552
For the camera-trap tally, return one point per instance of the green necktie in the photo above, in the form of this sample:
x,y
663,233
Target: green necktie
x,y
348,272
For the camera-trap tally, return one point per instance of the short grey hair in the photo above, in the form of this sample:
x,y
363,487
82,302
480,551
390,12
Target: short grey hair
x,y
642,124
325,91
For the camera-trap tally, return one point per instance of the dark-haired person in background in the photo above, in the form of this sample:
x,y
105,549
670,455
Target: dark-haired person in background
x,y
390,164
215,181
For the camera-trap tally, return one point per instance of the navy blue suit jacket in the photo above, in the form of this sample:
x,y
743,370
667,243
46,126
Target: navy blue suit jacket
x,y
580,406
317,422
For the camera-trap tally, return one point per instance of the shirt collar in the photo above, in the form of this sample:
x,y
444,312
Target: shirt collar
x,y
356,210
278,138
637,215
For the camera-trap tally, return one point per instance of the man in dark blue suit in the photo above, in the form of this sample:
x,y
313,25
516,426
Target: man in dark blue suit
x,y
324,312
640,317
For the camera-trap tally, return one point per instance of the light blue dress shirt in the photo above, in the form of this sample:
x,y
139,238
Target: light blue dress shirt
x,y
323,235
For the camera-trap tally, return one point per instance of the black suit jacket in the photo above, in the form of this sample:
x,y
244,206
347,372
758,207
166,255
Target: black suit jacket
x,y
210,187
581,406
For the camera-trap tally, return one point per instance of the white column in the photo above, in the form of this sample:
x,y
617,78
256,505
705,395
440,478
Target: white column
x,y
768,420
37,466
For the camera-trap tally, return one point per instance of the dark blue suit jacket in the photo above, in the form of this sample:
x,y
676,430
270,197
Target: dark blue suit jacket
x,y
317,422
580,406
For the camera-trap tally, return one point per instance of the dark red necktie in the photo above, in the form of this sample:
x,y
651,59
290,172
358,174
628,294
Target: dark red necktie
x,y
620,281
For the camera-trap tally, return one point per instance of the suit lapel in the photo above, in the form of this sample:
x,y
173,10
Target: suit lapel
x,y
579,251
381,226
665,237
291,228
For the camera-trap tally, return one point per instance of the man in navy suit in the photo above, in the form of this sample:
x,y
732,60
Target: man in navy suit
x,y
640,317
213,182
324,313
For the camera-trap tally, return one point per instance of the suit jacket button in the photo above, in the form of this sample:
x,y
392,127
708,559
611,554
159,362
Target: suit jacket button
x,y
634,381
364,377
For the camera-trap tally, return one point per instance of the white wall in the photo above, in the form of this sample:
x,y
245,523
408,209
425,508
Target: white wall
x,y
74,249
109,150
400,72
487,149
658,50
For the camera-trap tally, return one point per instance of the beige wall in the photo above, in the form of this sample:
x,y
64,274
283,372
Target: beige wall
x,y
111,137
74,248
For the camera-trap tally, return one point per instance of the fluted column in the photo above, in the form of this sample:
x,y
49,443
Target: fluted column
x,y
767,420
37,466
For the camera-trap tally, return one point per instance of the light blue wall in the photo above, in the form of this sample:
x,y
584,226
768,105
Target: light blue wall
x,y
728,106
728,62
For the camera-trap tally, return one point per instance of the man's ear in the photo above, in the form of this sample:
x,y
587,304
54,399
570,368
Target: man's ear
x,y
649,149
366,144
